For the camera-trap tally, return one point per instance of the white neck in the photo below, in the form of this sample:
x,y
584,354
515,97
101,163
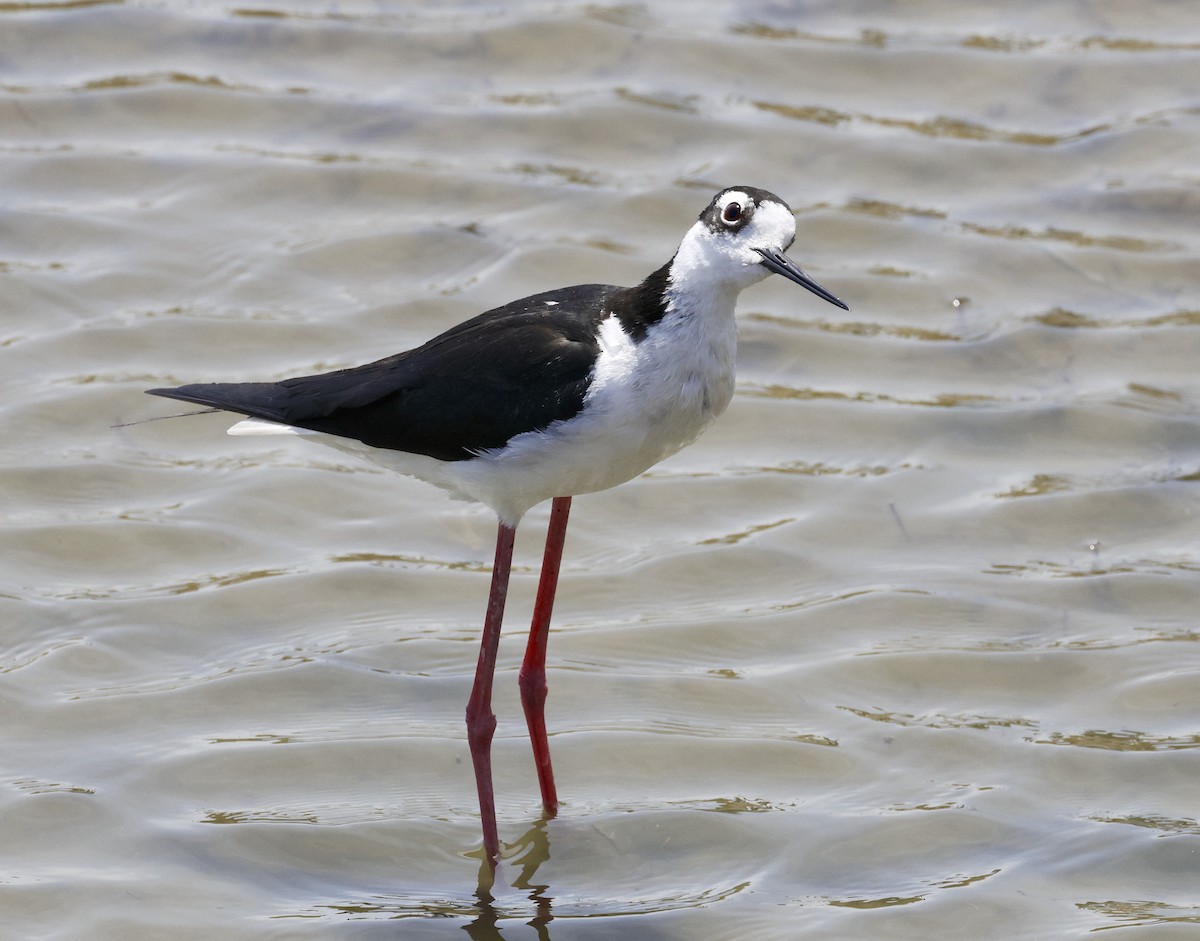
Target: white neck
x,y
704,280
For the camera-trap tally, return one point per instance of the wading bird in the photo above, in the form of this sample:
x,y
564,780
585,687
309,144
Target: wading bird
x,y
562,393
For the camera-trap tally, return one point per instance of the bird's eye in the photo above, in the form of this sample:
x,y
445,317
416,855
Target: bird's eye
x,y
732,213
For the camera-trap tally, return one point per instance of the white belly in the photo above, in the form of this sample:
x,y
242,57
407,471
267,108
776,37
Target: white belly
x,y
646,402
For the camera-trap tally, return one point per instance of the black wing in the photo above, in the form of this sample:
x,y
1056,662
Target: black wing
x,y
510,370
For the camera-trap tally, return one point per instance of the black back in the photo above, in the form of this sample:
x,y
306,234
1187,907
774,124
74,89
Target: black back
x,y
513,369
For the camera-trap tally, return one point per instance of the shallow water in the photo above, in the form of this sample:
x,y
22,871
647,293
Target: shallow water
x,y
907,646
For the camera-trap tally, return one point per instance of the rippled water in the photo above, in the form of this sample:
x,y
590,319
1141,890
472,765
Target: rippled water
x,y
908,646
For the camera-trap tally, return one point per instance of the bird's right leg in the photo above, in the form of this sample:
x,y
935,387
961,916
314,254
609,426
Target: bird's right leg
x,y
481,721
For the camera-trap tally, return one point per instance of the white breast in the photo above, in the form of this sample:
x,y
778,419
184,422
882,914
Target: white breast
x,y
647,400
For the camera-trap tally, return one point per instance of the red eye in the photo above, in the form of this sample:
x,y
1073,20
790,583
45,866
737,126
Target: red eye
x,y
732,213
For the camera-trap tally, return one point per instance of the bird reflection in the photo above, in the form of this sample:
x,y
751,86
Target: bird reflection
x,y
527,853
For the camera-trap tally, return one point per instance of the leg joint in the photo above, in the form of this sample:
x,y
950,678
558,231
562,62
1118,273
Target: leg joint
x,y
481,726
533,685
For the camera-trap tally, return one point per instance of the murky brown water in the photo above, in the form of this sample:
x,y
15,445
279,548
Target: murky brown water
x,y
908,646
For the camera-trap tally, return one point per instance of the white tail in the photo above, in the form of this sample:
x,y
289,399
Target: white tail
x,y
257,426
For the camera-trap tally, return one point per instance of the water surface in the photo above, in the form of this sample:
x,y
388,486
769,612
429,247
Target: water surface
x,y
907,646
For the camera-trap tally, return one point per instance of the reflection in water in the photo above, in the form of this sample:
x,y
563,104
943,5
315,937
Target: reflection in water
x,y
528,852
492,906
485,911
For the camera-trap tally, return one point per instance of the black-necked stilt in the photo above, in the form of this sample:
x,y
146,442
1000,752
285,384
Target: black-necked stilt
x,y
567,392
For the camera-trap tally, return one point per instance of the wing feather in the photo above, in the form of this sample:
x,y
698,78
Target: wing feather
x,y
510,370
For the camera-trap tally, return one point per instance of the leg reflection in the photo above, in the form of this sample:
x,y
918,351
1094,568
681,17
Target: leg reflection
x,y
528,853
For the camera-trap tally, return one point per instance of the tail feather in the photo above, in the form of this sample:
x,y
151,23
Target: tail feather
x,y
256,426
255,399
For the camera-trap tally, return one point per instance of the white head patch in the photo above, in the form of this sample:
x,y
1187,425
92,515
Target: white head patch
x,y
719,250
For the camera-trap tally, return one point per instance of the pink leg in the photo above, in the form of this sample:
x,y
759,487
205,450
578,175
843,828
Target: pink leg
x,y
533,668
481,721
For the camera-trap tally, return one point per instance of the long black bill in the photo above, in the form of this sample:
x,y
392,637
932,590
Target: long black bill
x,y
779,263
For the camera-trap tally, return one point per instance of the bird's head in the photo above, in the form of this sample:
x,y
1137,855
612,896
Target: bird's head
x,y
741,237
